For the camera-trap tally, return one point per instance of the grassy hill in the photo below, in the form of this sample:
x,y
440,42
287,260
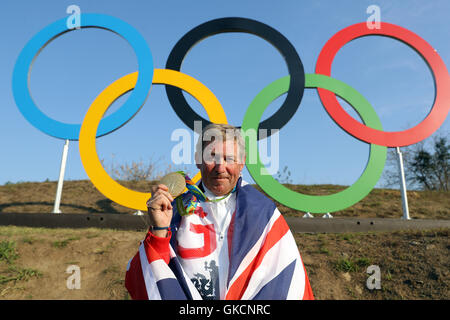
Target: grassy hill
x,y
413,264
33,261
83,197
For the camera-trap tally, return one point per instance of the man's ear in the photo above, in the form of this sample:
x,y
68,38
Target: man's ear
x,y
241,165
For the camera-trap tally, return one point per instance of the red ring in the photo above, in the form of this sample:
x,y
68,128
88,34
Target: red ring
x,y
360,131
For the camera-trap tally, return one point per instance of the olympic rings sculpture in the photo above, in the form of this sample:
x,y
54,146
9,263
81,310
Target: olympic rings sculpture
x,y
114,121
294,84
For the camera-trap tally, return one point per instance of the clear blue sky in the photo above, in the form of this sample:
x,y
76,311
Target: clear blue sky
x,y
72,70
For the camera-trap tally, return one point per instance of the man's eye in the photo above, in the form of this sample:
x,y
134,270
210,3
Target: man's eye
x,y
208,158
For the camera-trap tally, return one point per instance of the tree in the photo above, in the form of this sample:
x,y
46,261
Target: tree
x,y
284,177
427,165
141,170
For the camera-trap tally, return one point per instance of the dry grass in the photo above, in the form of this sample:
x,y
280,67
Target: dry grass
x,y
33,261
83,197
413,264
382,203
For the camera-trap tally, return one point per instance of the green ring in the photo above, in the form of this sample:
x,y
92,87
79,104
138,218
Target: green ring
x,y
311,203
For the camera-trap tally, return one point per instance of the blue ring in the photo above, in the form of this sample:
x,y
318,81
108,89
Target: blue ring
x,y
110,123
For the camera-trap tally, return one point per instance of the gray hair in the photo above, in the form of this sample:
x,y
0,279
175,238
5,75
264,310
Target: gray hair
x,y
223,131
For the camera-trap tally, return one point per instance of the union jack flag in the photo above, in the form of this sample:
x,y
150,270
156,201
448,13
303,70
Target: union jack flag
x,y
263,258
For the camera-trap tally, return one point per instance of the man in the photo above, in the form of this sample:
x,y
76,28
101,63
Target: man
x,y
233,242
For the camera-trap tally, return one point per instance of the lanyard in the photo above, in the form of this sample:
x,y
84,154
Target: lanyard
x,y
188,205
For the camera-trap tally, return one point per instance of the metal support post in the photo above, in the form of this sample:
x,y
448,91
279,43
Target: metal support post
x,y
403,186
62,170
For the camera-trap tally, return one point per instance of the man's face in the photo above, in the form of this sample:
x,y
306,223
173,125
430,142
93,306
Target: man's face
x,y
221,166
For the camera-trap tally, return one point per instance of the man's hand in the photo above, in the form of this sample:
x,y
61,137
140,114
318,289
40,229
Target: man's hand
x,y
160,209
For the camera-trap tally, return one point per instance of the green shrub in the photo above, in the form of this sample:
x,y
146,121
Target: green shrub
x,y
8,251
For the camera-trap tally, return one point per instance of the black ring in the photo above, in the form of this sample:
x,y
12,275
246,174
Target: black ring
x,y
223,25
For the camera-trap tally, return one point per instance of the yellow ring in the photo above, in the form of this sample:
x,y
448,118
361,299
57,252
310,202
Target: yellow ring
x,y
88,152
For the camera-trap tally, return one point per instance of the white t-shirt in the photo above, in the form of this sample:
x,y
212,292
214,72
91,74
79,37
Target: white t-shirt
x,y
207,267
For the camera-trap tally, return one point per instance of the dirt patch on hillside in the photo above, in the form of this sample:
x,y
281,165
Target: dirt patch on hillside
x,y
102,256
413,264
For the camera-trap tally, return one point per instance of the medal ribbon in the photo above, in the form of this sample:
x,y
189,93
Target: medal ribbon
x,y
187,205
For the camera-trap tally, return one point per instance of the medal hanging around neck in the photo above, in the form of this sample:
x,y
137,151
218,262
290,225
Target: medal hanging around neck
x,y
176,182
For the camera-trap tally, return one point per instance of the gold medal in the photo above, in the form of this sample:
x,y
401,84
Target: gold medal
x,y
175,182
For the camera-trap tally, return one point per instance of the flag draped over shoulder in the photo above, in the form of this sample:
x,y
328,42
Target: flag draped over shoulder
x,y
264,261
